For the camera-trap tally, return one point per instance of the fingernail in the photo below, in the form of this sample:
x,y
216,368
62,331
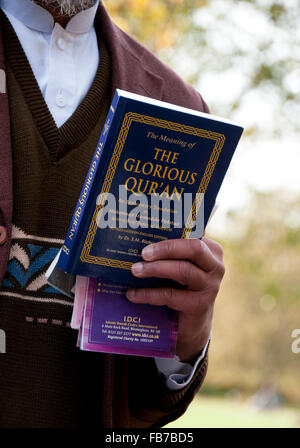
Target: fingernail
x,y
130,294
137,268
148,252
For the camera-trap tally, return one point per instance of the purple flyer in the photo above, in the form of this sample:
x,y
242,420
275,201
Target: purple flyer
x,y
79,301
112,324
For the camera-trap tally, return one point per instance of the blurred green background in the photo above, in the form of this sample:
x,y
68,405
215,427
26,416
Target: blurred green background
x,y
244,58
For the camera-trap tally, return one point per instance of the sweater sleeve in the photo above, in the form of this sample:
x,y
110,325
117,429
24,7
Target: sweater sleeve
x,y
156,405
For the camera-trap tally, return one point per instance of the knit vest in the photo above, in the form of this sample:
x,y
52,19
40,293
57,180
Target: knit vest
x,y
45,381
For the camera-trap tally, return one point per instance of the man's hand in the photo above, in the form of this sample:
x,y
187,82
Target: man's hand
x,y
196,264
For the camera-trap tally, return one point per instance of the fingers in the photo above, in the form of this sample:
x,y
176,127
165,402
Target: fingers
x,y
196,251
186,261
215,247
181,271
178,300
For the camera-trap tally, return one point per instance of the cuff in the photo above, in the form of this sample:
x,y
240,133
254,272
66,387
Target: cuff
x,y
178,374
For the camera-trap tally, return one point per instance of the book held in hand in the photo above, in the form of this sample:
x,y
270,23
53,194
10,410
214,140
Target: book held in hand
x,y
157,167
155,175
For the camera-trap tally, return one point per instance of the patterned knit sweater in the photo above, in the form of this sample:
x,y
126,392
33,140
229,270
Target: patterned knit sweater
x,y
45,380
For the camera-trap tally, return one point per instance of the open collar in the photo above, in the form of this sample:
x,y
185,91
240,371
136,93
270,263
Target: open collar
x,y
39,19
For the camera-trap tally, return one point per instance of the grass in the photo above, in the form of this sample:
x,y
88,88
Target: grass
x,y
210,412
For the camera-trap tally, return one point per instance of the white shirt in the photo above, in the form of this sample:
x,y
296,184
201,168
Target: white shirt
x,y
64,63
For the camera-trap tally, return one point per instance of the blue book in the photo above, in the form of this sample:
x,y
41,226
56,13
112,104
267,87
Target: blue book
x,y
155,175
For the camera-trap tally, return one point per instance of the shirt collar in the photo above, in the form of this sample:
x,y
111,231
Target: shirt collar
x,y
37,18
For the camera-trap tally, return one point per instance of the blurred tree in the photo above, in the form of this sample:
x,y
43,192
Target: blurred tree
x,y
239,54
259,303
156,23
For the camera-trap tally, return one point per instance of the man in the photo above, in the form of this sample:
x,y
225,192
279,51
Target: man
x,y
60,63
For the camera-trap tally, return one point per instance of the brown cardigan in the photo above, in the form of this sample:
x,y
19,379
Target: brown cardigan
x,y
134,69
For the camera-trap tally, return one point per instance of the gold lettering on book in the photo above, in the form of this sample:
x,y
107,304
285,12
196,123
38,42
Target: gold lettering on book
x,y
168,173
157,170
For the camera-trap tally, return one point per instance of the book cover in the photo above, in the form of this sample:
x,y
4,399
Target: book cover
x,y
112,324
156,170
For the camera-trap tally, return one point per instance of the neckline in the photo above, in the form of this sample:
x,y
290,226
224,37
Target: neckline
x,y
76,129
38,18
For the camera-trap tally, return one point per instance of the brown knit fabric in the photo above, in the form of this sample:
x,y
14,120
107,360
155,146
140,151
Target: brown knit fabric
x,y
45,380
50,164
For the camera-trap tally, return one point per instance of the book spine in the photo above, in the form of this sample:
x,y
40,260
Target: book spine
x,y
66,258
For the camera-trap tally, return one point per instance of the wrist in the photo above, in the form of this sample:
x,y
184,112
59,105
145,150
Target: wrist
x,y
188,351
